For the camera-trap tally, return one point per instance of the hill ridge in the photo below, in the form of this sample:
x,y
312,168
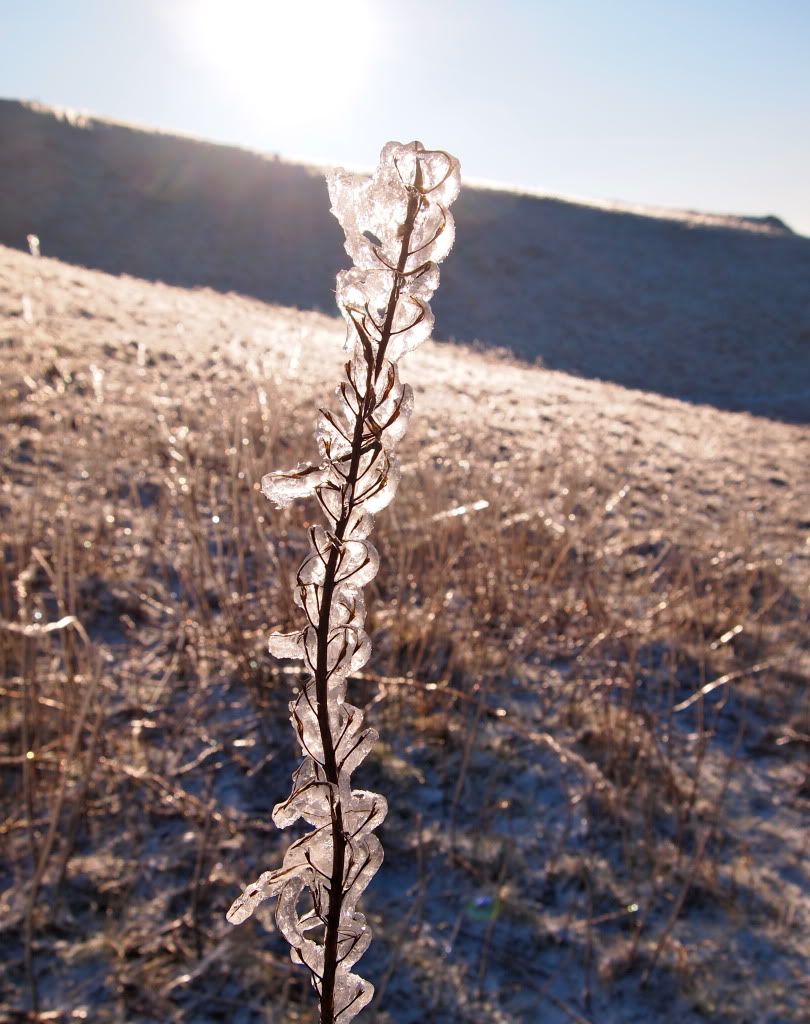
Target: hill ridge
x,y
705,308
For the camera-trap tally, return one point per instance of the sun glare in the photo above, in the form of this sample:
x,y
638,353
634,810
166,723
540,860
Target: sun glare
x,y
293,57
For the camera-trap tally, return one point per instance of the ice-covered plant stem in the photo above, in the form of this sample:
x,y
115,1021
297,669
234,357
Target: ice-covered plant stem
x,y
398,227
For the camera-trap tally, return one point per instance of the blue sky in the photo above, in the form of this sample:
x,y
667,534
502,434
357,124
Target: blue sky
x,y
703,105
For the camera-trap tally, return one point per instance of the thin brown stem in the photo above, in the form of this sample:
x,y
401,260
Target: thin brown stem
x,y
339,840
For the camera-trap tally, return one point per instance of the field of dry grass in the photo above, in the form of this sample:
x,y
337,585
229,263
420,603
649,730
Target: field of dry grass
x,y
590,677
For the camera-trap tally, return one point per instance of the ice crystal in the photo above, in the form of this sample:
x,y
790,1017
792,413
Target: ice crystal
x,y
398,227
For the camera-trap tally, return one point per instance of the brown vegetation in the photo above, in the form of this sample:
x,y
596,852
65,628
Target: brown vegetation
x,y
590,670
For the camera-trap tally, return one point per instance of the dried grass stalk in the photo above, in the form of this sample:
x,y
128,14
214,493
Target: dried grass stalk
x,y
398,227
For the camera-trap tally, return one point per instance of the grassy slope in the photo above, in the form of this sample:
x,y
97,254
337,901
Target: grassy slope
x,y
706,308
558,836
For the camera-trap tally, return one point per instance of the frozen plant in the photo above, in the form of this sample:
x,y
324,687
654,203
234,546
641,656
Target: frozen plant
x,y
398,228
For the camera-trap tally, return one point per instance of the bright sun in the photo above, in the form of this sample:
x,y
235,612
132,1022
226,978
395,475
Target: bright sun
x,y
291,56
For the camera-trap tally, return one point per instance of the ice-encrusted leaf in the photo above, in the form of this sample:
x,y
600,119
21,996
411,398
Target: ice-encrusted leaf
x,y
379,491
420,284
360,523
362,296
266,885
333,440
286,645
435,172
413,325
348,607
358,563
312,799
331,501
362,652
284,487
352,994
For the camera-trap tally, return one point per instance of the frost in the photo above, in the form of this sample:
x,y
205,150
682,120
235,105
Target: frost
x,y
398,227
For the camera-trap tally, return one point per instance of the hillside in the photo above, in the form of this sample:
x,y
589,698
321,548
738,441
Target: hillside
x,y
706,308
590,677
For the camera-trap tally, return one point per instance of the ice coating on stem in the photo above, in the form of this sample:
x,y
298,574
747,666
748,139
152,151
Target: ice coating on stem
x,y
398,227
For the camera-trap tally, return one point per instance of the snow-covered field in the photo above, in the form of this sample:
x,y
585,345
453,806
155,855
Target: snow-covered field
x,y
591,646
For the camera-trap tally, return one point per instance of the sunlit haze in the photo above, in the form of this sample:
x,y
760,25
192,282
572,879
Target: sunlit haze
x,y
250,48
678,104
